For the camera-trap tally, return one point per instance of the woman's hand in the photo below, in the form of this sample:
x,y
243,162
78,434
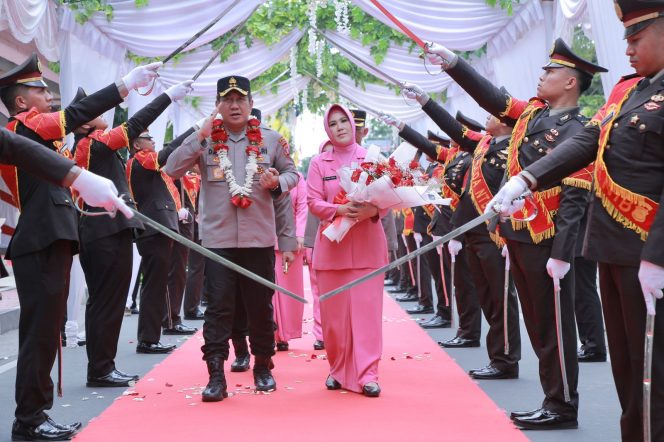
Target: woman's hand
x,y
358,212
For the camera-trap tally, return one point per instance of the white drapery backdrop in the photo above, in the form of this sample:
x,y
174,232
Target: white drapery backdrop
x,y
29,20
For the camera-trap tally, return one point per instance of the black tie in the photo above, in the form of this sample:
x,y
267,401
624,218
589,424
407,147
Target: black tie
x,y
643,84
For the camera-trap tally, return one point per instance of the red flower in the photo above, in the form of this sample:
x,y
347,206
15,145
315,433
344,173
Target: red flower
x,y
241,201
355,177
219,146
251,149
414,165
253,122
254,136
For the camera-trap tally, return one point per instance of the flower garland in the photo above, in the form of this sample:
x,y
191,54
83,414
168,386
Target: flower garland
x,y
239,193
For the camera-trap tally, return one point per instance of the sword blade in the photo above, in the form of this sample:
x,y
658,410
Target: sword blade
x,y
201,32
506,295
647,375
432,245
453,308
213,256
561,347
228,41
400,25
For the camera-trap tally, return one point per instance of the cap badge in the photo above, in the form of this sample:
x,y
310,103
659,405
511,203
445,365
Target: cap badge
x,y
232,82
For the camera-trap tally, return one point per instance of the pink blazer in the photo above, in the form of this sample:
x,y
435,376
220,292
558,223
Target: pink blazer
x,y
364,246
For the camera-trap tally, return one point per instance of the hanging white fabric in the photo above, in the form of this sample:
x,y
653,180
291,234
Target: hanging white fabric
x,y
29,20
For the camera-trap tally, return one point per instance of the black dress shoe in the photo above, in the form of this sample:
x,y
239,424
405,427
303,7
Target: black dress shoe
x,y
397,289
491,372
419,309
408,297
545,420
134,311
216,389
585,355
332,384
459,342
319,345
122,373
180,329
241,363
195,316
389,282
372,389
158,348
516,414
45,431
436,322
112,379
263,379
73,426
282,346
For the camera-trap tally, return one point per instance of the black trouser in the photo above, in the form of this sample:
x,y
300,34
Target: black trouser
x,y
107,266
409,273
177,277
587,307
468,305
138,283
487,269
393,274
625,316
423,273
224,286
535,289
405,277
155,253
42,283
194,286
431,260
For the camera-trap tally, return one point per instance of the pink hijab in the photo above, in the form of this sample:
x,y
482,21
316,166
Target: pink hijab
x,y
348,113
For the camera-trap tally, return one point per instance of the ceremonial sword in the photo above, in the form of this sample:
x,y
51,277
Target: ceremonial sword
x,y
199,249
228,41
452,293
443,239
400,25
647,373
559,335
506,289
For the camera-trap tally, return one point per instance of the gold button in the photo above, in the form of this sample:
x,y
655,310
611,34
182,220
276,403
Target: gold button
x,y
615,125
642,127
525,139
608,146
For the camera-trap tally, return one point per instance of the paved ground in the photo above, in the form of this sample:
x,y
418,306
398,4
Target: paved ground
x,y
598,418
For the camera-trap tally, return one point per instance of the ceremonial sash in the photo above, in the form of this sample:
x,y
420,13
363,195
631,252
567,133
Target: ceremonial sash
x,y
546,201
149,161
408,221
480,193
582,179
191,184
446,189
634,211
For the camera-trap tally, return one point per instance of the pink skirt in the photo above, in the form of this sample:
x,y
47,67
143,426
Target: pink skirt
x,y
352,327
287,311
317,329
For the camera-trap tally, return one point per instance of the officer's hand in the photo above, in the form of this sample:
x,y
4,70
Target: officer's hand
x,y
454,247
414,92
418,237
439,248
390,120
503,202
506,254
439,54
205,130
98,191
269,179
183,214
199,124
180,90
300,243
141,76
651,277
287,259
557,270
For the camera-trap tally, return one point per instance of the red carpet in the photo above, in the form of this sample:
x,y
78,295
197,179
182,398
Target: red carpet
x,y
419,382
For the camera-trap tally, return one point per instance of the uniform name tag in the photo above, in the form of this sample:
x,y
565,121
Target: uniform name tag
x,y
329,178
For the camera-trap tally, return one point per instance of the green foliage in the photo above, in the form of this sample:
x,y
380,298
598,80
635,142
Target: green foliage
x,y
508,5
303,168
593,98
379,130
194,102
54,66
85,9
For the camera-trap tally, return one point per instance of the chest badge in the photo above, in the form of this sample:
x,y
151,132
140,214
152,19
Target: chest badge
x,y
657,98
634,120
651,106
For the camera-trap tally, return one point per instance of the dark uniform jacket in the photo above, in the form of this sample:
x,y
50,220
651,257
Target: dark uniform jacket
x,y
98,153
150,191
543,134
33,158
634,158
47,211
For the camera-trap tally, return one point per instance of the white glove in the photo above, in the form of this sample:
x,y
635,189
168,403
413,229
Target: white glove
x,y
651,277
439,248
454,247
390,120
98,191
141,76
180,90
200,123
418,238
506,254
183,214
439,54
414,92
557,270
504,199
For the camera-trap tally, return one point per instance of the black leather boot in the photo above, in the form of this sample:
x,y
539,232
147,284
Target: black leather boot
x,y
262,375
215,390
242,358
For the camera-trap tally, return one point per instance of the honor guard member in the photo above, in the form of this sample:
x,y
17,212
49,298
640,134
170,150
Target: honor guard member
x,y
541,250
243,168
106,243
46,235
157,198
625,226
484,249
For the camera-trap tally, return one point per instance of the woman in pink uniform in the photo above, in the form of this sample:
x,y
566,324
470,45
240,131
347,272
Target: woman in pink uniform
x,y
287,311
352,320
